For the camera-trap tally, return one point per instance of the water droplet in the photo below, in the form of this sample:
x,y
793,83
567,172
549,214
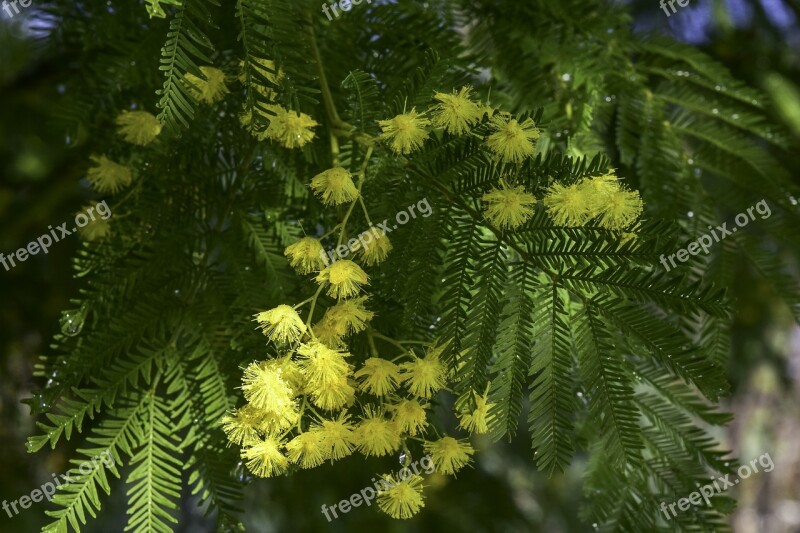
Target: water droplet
x,y
690,161
690,214
715,111
566,77
72,321
735,116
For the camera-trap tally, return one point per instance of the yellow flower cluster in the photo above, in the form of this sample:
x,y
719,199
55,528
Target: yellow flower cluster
x,y
600,198
210,88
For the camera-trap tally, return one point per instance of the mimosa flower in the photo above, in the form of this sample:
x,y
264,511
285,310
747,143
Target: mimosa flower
x,y
138,127
406,132
508,207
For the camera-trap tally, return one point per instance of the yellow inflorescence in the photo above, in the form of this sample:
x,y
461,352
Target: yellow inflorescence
x,y
138,127
306,255
512,141
209,89
456,113
108,177
449,455
509,207
401,499
335,186
405,133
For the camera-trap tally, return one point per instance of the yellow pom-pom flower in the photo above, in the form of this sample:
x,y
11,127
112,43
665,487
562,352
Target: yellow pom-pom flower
x,y
332,395
401,499
266,389
567,206
306,255
598,190
307,449
242,425
405,132
424,376
620,209
348,316
281,324
264,458
449,455
508,207
335,186
409,416
96,230
291,129
512,141
376,251
138,127
210,89
338,439
378,376
322,365
106,176
376,436
477,421
456,112
344,279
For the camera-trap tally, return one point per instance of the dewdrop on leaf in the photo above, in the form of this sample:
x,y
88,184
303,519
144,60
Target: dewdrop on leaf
x,y
138,127
402,499
508,207
108,177
449,455
406,132
456,113
512,141
335,186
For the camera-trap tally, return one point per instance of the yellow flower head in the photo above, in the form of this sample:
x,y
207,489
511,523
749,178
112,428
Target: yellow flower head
x,y
332,395
620,209
96,230
477,421
138,127
289,128
265,68
344,278
266,389
508,207
424,376
270,423
290,371
378,376
376,436
337,437
409,416
209,90
406,132
264,458
281,324
376,251
307,449
242,425
106,176
401,499
456,112
335,186
598,190
512,141
306,255
330,333
567,206
348,316
322,365
449,455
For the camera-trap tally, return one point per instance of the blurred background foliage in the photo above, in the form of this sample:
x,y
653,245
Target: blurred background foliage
x,y
41,185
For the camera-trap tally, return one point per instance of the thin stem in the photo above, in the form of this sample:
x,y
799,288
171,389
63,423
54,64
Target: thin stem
x,y
311,311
